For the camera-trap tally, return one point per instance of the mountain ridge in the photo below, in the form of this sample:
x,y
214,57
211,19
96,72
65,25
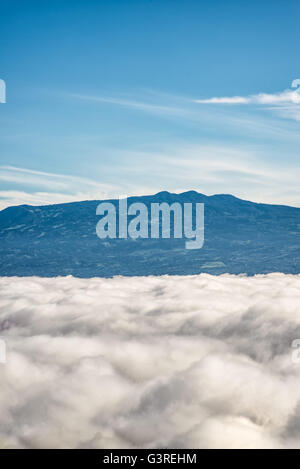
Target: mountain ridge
x,y
241,237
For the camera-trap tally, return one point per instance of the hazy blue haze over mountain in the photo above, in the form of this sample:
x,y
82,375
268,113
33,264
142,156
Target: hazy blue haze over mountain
x,y
240,237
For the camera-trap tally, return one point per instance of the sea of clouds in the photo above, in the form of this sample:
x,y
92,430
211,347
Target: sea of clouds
x,y
153,362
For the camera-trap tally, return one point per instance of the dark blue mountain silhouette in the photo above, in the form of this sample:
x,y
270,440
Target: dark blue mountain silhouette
x,y
240,237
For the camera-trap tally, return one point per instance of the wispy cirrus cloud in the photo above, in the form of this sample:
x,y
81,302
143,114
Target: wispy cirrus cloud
x,y
15,197
285,97
52,187
286,104
178,167
146,106
288,96
246,169
178,360
216,168
44,188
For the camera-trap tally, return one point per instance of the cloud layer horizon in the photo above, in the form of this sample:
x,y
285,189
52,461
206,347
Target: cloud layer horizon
x,y
153,362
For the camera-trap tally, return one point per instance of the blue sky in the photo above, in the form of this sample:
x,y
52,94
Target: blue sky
x,y
116,97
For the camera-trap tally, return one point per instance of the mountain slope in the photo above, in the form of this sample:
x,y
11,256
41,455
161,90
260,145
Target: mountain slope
x,y
240,237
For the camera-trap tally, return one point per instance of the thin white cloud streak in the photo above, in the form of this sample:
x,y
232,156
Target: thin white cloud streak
x,y
186,110
209,169
11,198
73,188
183,108
139,105
288,112
212,169
285,97
37,178
192,362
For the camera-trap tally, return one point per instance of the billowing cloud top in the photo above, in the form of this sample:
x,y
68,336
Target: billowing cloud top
x,y
187,362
